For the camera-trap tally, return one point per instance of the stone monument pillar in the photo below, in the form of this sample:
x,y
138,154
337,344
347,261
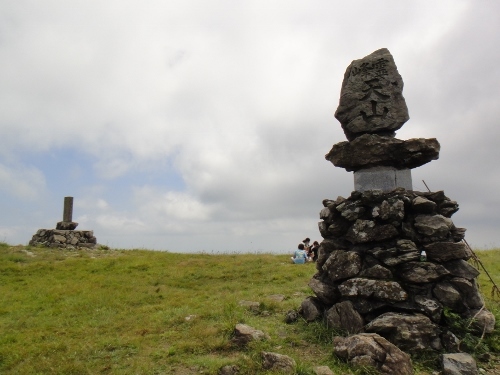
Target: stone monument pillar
x,y
372,275
65,235
371,109
67,223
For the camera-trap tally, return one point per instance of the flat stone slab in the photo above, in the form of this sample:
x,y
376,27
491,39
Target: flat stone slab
x,y
372,150
382,178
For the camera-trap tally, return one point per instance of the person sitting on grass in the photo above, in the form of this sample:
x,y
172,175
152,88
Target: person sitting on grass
x,y
300,255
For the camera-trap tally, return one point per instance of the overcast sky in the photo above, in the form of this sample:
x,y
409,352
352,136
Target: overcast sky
x,y
202,125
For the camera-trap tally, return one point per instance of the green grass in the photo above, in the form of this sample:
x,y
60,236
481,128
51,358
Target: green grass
x,y
146,312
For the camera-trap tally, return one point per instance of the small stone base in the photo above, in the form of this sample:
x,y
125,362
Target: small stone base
x,y
382,178
64,238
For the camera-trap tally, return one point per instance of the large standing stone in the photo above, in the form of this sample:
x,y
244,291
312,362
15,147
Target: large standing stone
x,y
371,99
369,349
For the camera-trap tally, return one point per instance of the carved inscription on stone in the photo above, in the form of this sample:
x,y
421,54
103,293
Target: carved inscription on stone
x,y
371,99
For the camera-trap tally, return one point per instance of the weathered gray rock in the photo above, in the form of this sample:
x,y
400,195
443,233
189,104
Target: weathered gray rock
x,y
407,332
59,238
322,370
448,296
370,150
363,231
243,334
458,364
448,207
483,321
434,226
66,225
469,291
326,293
339,227
371,98
423,205
369,349
350,210
229,370
342,264
344,316
291,316
421,272
451,343
250,305
390,210
278,362
430,307
460,268
445,251
311,309
403,258
378,289
376,272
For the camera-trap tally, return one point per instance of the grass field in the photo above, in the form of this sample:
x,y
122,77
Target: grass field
x,y
148,312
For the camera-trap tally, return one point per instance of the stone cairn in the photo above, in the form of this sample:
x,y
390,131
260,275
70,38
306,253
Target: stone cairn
x,y
65,235
391,260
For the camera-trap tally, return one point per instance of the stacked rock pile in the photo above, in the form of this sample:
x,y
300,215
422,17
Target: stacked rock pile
x,y
64,238
391,261
65,235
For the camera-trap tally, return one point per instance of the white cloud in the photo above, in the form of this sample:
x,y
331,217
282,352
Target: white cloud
x,y
22,181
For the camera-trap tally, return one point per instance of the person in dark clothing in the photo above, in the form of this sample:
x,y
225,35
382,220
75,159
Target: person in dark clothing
x,y
314,251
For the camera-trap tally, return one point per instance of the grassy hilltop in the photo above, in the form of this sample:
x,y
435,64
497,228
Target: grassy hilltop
x,y
149,312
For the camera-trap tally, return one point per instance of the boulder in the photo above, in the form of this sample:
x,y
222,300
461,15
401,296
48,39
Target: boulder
x,y
327,293
483,321
421,272
344,316
407,332
458,364
229,370
423,205
363,231
445,251
378,289
278,362
311,309
469,291
448,296
430,307
376,272
369,349
460,268
433,226
243,334
342,265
